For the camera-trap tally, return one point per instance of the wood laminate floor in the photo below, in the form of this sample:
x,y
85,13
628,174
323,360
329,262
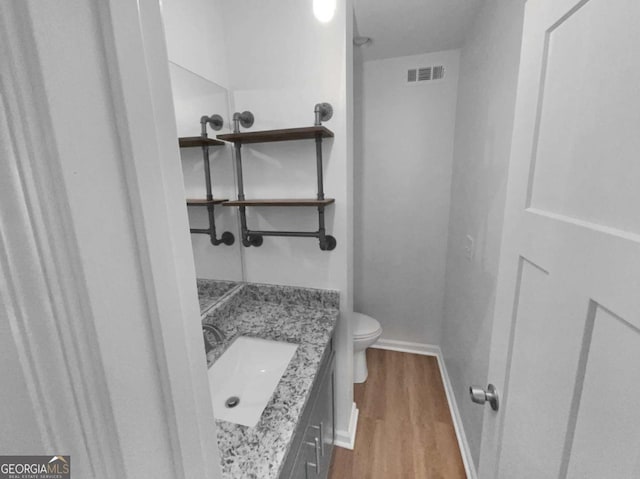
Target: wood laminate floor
x,y
405,429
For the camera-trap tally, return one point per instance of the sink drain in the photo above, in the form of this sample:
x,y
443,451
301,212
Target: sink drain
x,y
233,401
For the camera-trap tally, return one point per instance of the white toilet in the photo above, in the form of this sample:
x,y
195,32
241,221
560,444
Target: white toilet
x,y
366,331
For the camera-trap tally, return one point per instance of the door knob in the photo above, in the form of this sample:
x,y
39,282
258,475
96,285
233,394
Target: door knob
x,y
481,396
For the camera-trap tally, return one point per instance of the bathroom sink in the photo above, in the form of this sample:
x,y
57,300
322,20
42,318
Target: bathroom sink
x,y
243,379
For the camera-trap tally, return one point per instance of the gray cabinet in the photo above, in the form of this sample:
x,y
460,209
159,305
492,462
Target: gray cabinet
x,y
311,450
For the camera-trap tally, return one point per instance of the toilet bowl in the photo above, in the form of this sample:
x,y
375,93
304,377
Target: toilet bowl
x,y
366,331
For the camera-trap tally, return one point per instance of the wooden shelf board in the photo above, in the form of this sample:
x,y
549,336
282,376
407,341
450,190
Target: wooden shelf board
x,y
197,141
204,202
282,202
289,134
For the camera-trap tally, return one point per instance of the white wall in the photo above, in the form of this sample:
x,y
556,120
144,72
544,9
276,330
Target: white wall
x,y
196,44
402,179
196,38
486,99
282,62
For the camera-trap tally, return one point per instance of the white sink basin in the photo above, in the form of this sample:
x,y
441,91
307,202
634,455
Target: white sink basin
x,y
249,370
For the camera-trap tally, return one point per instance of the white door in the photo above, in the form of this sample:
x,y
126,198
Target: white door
x,y
566,339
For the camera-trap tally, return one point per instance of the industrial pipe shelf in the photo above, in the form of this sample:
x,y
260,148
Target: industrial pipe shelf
x,y
205,202
204,142
281,202
323,112
268,136
198,141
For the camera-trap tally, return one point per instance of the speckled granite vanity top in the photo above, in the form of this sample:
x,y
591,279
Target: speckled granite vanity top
x,y
210,291
303,316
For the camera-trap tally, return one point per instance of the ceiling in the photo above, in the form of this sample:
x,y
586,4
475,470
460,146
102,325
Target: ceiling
x,y
409,27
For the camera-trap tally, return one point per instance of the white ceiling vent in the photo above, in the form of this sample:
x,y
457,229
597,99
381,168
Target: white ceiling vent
x,y
438,72
425,74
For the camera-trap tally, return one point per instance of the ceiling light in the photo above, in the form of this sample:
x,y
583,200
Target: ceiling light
x,y
361,41
324,10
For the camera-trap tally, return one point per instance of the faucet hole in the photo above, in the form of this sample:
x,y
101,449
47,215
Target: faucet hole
x,y
232,402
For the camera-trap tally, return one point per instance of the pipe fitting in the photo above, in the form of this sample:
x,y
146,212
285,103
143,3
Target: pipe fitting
x,y
215,121
244,119
323,112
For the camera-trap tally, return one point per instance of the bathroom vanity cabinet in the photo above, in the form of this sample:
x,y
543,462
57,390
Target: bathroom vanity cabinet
x,y
311,450
295,434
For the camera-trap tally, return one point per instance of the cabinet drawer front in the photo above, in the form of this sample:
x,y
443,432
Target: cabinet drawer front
x,y
315,424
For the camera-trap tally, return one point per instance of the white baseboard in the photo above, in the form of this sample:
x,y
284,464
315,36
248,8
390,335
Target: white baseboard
x,y
407,347
347,439
433,350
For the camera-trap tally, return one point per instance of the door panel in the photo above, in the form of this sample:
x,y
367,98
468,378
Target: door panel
x,y
566,336
583,149
608,417
541,376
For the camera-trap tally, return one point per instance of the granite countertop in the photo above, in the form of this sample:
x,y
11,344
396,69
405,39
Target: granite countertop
x,y
303,316
210,291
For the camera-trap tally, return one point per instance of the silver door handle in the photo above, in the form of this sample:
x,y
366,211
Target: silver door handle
x,y
316,444
481,396
321,428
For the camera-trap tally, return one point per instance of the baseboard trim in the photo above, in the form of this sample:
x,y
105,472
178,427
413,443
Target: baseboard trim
x,y
407,347
467,459
433,350
347,439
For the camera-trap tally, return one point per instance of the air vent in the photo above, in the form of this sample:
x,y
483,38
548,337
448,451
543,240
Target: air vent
x,y
425,74
438,72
